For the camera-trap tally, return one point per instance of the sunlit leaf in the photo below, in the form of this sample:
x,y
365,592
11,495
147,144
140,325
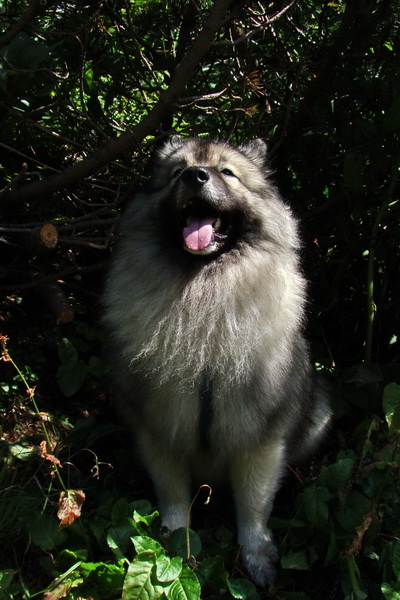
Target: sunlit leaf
x,y
138,584
70,506
184,587
168,569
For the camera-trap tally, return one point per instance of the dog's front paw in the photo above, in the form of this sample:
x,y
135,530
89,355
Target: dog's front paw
x,y
260,562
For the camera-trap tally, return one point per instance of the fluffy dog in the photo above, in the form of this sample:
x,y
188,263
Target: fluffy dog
x,y
205,308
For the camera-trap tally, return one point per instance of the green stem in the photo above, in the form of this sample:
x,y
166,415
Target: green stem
x,y
30,391
188,553
351,568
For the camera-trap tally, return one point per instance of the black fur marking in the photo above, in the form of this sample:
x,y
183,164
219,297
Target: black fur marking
x,y
206,410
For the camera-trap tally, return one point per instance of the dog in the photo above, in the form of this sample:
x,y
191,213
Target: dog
x,y
205,305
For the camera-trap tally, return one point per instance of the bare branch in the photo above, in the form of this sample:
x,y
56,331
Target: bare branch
x,y
132,137
27,17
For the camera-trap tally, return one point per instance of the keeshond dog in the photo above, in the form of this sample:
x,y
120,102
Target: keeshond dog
x,y
205,306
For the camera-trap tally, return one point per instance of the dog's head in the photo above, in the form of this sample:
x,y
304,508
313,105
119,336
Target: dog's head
x,y
211,191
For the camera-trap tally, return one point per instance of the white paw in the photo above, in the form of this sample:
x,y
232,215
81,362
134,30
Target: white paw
x,y
260,562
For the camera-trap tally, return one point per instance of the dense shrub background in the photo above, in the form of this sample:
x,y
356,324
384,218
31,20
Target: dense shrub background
x,y
87,91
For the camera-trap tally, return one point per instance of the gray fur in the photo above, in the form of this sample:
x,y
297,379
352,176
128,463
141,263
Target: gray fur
x,y
227,319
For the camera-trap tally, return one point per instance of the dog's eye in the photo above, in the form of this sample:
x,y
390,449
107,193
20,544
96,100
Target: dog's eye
x,y
177,172
228,172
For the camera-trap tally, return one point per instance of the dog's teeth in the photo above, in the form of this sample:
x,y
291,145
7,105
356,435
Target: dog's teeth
x,y
217,223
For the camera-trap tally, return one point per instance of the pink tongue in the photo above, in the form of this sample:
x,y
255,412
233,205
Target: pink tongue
x,y
197,235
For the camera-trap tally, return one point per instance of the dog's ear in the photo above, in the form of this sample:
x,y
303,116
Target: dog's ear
x,y
256,151
174,143
176,140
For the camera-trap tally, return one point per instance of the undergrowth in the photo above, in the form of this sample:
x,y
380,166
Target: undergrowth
x,y
77,522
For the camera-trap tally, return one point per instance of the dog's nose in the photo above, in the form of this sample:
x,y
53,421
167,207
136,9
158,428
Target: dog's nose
x,y
195,176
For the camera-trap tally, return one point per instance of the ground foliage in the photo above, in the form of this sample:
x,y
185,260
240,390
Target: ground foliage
x,y
87,91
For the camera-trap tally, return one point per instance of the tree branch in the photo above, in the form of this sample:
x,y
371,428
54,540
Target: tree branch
x,y
27,17
132,137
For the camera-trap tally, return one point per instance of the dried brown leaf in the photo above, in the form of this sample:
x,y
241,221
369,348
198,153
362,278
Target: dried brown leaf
x,y
69,506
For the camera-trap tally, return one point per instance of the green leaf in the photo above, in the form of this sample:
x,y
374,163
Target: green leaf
x,y
168,569
178,544
184,587
391,407
138,584
72,372
71,377
143,508
242,588
297,561
6,576
67,353
108,578
332,551
43,530
60,587
141,517
88,81
391,591
212,569
21,452
351,515
119,538
314,504
119,512
144,543
336,476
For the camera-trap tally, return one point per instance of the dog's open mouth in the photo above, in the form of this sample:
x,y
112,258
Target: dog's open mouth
x,y
203,232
